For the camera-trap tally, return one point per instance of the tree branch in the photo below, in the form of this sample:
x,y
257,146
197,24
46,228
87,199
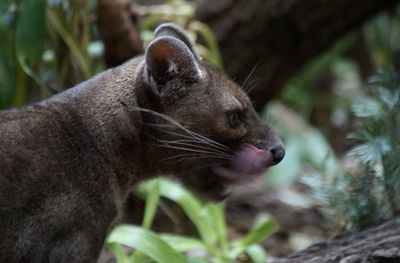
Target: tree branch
x,y
280,36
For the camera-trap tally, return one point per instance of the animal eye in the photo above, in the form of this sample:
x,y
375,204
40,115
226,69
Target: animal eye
x,y
233,119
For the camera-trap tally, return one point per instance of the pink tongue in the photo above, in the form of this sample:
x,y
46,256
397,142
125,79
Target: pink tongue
x,y
248,160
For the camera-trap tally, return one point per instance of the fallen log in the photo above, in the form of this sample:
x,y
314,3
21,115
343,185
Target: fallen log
x,y
380,244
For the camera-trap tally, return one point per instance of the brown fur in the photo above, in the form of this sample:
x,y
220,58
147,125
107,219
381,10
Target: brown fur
x,y
68,163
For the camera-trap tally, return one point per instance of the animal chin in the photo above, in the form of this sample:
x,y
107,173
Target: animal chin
x,y
232,176
215,184
248,162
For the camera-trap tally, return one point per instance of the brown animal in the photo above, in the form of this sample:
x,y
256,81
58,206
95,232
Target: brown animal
x,y
68,163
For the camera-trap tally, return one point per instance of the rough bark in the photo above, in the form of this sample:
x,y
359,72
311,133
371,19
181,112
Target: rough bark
x,y
279,36
117,23
377,244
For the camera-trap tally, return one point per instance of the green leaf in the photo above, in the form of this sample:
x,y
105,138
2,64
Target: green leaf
x,y
263,229
260,232
78,52
192,207
138,257
4,5
198,260
257,253
30,30
378,35
7,80
152,200
182,243
151,204
216,212
1,101
29,42
211,43
367,108
21,84
119,252
146,242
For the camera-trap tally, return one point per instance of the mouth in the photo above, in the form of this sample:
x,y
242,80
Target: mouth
x,y
248,162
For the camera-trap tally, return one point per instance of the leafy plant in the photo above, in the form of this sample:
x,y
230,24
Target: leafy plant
x,y
45,44
212,243
50,45
368,194
371,195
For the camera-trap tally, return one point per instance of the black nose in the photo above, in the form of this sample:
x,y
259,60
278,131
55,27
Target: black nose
x,y
278,152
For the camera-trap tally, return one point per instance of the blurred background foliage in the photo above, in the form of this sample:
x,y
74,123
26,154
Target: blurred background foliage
x,y
350,163
48,46
338,115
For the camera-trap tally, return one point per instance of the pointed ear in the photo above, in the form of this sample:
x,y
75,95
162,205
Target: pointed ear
x,y
172,30
168,57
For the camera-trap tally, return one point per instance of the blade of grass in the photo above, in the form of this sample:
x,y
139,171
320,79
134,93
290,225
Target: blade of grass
x,y
146,242
182,243
77,51
29,42
138,257
191,206
7,75
257,253
30,29
1,102
20,95
263,229
152,200
7,61
217,215
206,33
119,252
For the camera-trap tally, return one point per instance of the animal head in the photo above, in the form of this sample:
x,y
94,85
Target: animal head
x,y
207,130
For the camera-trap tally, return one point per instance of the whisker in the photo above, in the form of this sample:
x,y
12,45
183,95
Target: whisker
x,y
253,86
250,74
191,133
197,151
195,146
204,140
184,157
197,142
211,142
200,155
211,154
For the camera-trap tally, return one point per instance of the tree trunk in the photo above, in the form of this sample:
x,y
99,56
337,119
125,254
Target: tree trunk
x,y
374,245
278,37
117,23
